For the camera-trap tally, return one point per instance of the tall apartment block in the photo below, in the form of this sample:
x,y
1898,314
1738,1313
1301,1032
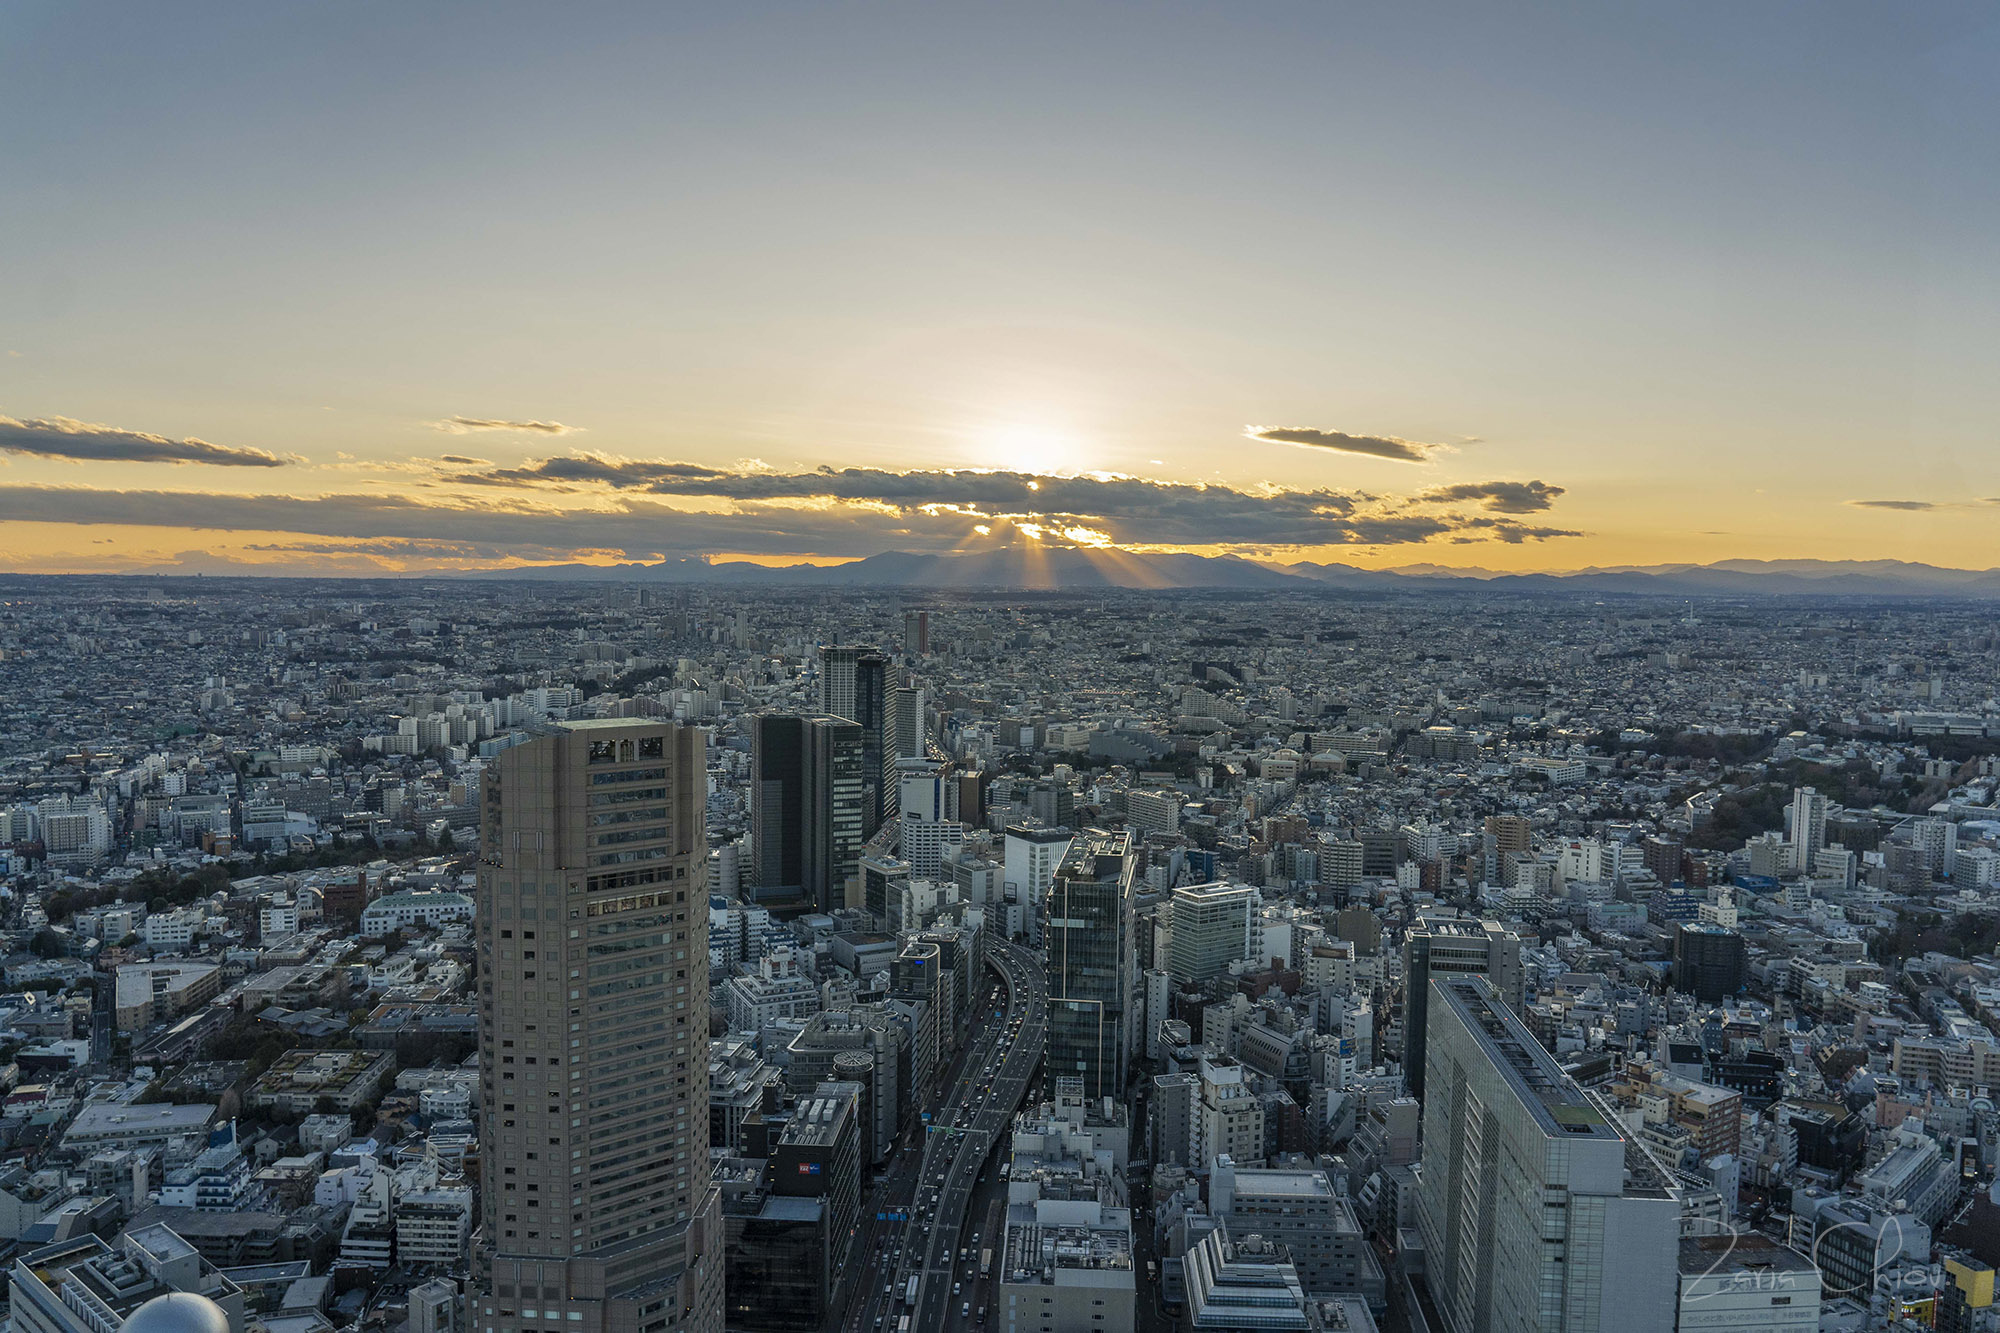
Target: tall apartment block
x,y
1209,928
1809,811
1447,946
1537,1214
904,726
1090,952
600,1216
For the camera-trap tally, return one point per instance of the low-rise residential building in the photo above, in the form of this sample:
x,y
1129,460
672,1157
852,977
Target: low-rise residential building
x,y
148,993
299,1081
399,911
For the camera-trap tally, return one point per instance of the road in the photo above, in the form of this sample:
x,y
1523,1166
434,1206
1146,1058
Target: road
x,y
936,1188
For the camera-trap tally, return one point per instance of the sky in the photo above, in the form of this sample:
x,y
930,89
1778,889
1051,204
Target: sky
x,y
291,287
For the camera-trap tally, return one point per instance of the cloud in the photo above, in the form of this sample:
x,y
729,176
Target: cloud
x,y
1372,446
461,460
1506,530
1504,497
467,425
636,507
1139,510
638,527
83,442
1135,510
405,547
1924,506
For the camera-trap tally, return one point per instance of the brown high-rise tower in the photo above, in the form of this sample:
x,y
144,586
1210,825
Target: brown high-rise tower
x,y
593,1038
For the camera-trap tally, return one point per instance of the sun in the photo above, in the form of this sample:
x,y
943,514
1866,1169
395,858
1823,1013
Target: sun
x,y
1029,447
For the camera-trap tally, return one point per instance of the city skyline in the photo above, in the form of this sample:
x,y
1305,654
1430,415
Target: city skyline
x,y
301,291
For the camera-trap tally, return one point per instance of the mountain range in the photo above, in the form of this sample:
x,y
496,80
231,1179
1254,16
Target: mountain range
x,y
1025,567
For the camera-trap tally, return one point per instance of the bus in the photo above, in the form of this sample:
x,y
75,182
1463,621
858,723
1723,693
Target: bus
x,y
910,1296
986,1263
903,1325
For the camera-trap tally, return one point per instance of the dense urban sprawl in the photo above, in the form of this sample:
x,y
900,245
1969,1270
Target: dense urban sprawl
x,y
1040,963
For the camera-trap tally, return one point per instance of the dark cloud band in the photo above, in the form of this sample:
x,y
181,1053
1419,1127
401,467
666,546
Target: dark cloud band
x,y
82,442
1371,446
933,511
469,425
1504,497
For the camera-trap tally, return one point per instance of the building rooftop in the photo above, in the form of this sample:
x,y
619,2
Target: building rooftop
x,y
1036,1251
1215,889
818,1120
1271,1180
1729,1256
1556,1101
114,1120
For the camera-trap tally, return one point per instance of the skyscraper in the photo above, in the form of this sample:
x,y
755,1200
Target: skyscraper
x,y
916,633
854,684
1447,945
807,791
1537,1215
777,806
1088,947
593,974
835,797
839,670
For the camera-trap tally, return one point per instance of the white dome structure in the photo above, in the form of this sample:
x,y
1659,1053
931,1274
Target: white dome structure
x,y
177,1312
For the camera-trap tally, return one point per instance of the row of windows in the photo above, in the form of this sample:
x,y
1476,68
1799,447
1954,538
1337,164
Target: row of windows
x,y
628,816
603,798
625,751
631,878
632,903
649,833
632,775
627,858
618,967
651,979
